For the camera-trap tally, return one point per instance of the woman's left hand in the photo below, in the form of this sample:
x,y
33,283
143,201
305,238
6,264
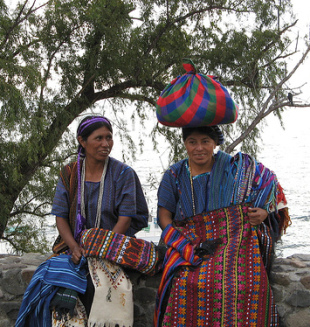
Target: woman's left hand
x,y
257,215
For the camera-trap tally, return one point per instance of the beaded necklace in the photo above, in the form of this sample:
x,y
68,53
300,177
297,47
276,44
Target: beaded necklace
x,y
192,186
99,203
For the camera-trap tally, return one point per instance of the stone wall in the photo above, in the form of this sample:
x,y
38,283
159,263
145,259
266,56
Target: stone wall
x,y
290,282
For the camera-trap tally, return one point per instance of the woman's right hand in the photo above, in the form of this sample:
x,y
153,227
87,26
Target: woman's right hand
x,y
66,234
77,253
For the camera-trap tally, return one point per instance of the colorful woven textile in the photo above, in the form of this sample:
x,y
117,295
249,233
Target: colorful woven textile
x,y
126,251
193,100
233,180
64,301
230,287
50,275
66,320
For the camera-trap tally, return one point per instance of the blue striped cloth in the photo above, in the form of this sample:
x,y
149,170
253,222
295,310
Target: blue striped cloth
x,y
56,272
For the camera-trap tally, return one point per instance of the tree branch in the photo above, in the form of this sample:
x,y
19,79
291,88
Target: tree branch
x,y
18,20
264,112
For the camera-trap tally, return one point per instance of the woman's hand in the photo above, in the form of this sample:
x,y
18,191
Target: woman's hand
x,y
66,234
257,215
77,253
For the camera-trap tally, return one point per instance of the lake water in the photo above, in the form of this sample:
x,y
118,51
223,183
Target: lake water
x,y
286,152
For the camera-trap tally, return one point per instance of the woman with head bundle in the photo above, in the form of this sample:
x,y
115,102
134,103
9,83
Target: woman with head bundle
x,y
220,216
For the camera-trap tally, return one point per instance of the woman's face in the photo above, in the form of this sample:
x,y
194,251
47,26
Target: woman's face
x,y
200,149
98,144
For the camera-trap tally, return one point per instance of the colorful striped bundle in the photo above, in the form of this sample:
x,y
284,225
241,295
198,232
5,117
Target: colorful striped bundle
x,y
193,100
126,251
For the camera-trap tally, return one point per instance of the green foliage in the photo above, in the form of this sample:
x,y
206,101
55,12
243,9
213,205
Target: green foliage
x,y
61,57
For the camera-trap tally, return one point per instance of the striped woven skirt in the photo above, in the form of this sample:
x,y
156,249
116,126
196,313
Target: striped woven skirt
x,y
230,287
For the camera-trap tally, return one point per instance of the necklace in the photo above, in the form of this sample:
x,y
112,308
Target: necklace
x,y
99,202
192,187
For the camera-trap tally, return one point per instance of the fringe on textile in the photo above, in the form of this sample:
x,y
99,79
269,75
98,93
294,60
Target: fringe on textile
x,y
113,300
284,219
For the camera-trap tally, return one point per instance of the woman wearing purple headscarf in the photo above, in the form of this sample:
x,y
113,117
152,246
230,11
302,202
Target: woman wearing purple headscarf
x,y
96,191
99,206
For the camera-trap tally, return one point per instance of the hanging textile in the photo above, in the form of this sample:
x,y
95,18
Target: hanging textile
x,y
230,287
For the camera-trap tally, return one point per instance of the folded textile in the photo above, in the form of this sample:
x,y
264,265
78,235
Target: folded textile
x,y
174,239
230,287
64,301
56,272
79,319
58,278
126,251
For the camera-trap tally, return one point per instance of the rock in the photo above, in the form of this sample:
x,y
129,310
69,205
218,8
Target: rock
x,y
5,323
298,263
4,319
12,259
27,274
12,282
299,319
299,298
281,278
301,256
306,281
278,293
34,259
11,266
281,261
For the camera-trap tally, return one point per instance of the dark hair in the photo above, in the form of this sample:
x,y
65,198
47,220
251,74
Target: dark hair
x,y
213,132
89,124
